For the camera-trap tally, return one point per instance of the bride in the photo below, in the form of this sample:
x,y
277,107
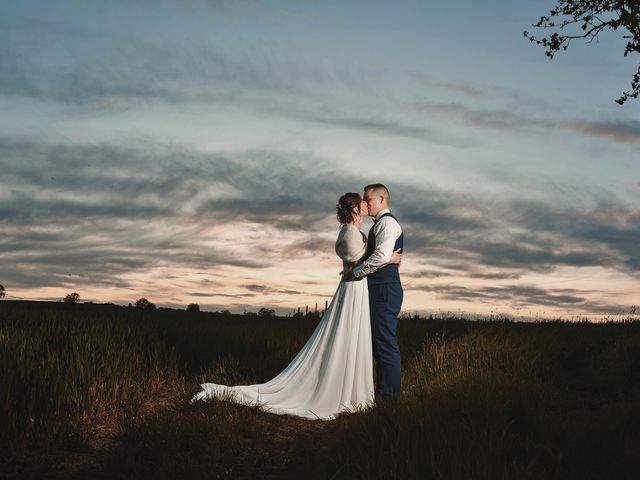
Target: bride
x,y
333,372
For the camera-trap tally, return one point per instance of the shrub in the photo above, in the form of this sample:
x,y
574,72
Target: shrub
x,y
145,304
193,307
266,312
72,298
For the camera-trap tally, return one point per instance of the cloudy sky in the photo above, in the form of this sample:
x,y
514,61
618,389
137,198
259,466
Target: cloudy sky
x,y
193,151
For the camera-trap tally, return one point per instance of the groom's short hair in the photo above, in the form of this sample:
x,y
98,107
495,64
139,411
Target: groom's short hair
x,y
379,189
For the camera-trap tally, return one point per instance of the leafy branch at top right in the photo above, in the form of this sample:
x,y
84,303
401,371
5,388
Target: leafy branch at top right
x,y
587,19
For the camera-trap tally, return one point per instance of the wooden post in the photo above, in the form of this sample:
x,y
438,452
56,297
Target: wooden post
x,y
316,310
326,304
306,310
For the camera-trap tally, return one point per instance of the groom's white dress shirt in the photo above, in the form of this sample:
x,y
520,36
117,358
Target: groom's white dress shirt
x,y
386,230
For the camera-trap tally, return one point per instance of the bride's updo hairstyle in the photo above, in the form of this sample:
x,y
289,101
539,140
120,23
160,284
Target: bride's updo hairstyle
x,y
345,206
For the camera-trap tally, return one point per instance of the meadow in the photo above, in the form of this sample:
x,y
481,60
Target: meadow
x,y
102,391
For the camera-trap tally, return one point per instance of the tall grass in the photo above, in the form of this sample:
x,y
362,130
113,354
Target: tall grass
x,y
505,401
480,399
69,369
66,369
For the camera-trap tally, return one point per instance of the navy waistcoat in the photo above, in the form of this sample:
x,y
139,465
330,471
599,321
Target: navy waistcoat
x,y
388,273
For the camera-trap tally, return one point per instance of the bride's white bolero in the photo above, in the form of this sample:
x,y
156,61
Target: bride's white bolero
x,y
351,244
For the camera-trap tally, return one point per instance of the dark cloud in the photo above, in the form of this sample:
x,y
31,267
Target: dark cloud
x,y
118,74
627,132
380,126
495,276
465,88
539,256
106,181
91,214
463,272
604,235
374,125
427,274
79,261
137,72
376,121
499,118
257,288
519,236
97,218
523,296
265,289
215,294
311,246
622,132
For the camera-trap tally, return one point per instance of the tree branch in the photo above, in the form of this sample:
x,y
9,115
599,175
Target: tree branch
x,y
618,14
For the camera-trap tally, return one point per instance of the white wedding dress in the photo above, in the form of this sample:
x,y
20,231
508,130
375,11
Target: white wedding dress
x,y
333,372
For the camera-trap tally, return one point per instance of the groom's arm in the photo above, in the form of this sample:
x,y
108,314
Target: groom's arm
x,y
387,232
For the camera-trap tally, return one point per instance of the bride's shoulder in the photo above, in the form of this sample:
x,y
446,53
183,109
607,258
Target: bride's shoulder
x,y
349,229
349,232
350,244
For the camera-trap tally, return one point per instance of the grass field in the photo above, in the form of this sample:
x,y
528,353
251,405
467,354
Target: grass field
x,y
100,391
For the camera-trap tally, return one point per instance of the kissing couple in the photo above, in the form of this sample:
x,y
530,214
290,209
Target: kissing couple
x,y
333,372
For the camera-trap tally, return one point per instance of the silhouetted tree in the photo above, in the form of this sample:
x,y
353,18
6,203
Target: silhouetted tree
x,y
225,312
592,17
72,298
193,307
266,312
145,304
2,291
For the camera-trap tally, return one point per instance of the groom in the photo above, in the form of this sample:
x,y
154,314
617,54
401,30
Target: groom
x,y
385,289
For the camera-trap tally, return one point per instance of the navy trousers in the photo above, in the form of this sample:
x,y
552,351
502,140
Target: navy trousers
x,y
385,301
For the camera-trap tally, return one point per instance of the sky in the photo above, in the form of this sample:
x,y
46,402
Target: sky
x,y
193,151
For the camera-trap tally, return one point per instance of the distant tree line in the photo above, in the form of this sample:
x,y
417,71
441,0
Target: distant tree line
x,y
145,304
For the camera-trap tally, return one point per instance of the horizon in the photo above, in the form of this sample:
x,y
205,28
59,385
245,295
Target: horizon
x,y
198,148
633,314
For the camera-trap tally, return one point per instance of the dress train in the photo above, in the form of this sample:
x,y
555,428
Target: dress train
x,y
332,373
